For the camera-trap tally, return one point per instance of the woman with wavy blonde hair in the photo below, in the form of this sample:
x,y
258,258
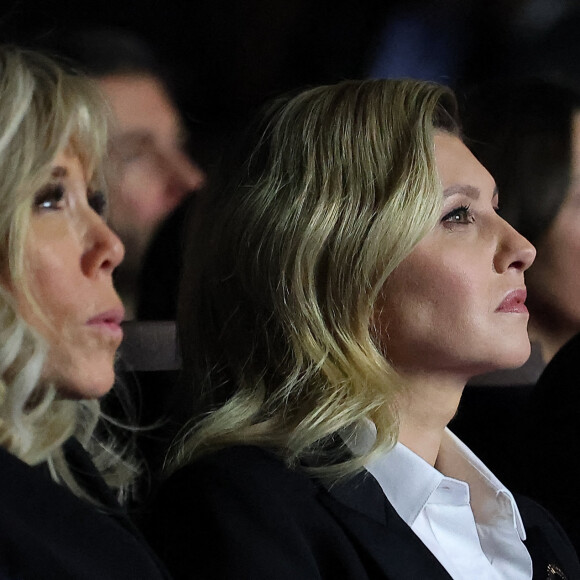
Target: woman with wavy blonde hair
x,y
60,328
344,284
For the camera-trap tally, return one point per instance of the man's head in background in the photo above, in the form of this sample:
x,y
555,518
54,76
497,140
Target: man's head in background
x,y
151,172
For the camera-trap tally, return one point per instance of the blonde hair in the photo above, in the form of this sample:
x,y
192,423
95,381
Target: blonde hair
x,y
44,110
276,319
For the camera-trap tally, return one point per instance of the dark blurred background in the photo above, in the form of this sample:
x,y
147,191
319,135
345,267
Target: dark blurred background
x,y
226,57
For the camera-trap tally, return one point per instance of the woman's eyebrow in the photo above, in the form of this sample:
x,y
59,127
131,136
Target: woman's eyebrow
x,y
469,190
59,171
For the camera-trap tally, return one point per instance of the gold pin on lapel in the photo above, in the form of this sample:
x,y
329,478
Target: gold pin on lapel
x,y
554,573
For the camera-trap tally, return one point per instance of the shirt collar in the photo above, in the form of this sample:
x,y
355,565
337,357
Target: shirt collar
x,y
409,482
457,461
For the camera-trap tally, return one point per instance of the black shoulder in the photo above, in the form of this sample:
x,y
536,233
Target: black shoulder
x,y
546,540
47,532
243,466
241,514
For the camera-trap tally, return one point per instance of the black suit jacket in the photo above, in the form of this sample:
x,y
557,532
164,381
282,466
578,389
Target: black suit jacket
x,y
241,514
48,533
546,457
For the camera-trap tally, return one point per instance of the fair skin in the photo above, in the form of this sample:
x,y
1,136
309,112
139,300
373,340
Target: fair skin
x,y
455,304
152,173
70,255
554,287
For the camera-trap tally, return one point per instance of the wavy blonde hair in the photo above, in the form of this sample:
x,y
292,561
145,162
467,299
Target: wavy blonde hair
x,y
276,313
44,110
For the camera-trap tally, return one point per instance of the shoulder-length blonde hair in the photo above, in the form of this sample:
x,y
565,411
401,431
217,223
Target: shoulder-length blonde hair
x,y
44,110
281,279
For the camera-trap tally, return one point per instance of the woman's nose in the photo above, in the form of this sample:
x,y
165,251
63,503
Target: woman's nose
x,y
104,250
514,251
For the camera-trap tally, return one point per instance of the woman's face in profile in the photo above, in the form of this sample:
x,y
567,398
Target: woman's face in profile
x,y
70,255
455,305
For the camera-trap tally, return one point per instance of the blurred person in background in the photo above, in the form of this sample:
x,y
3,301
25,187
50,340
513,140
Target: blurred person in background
x,y
150,170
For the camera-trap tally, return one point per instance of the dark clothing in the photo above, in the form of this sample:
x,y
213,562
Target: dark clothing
x,y
48,533
546,460
241,514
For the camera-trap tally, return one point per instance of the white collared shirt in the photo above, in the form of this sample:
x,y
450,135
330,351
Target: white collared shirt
x,y
462,513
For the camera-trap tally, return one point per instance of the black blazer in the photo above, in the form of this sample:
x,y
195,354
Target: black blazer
x,y
48,533
546,457
241,514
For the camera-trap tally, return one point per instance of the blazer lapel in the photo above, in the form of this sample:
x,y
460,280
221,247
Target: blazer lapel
x,y
553,556
366,515
545,564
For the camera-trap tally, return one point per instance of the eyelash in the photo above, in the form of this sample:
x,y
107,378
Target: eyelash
x,y
462,212
98,202
50,198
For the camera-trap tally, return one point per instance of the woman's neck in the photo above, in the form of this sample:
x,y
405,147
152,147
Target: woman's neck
x,y
425,409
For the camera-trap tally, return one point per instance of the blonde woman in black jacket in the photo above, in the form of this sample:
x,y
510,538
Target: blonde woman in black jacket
x,y
344,285
60,320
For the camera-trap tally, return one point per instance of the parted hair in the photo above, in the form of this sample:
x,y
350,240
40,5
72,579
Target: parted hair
x,y
44,110
283,270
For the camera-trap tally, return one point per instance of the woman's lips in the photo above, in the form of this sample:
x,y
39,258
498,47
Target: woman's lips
x,y
109,322
514,302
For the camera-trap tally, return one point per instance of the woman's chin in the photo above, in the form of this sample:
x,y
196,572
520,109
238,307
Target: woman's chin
x,y
519,355
78,387
512,358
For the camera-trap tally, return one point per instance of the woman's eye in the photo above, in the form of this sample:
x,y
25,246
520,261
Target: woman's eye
x,y
98,202
51,197
460,215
